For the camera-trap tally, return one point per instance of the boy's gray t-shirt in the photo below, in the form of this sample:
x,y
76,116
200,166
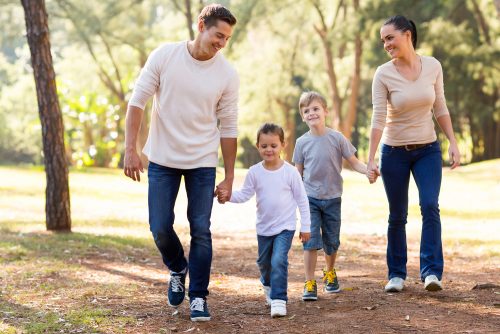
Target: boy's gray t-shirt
x,y
321,157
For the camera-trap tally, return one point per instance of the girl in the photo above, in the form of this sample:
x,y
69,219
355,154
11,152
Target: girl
x,y
279,190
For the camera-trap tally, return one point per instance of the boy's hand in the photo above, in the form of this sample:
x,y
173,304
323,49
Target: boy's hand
x,y
372,172
304,236
372,176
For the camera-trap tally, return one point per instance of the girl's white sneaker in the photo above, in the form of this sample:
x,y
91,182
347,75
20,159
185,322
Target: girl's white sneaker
x,y
278,308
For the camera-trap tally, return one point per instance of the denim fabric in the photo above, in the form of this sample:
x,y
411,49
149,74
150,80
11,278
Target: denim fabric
x,y
164,185
425,165
325,224
273,262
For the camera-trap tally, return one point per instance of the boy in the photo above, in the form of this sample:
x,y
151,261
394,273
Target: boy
x,y
318,157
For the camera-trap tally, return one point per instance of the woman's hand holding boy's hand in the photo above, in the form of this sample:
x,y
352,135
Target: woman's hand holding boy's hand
x,y
304,236
372,172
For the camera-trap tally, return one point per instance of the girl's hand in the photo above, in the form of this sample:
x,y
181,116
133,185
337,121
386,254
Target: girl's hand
x,y
304,236
222,195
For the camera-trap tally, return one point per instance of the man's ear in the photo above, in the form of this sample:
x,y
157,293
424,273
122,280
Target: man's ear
x,y
201,25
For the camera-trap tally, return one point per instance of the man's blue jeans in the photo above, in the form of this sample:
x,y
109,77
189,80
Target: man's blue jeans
x,y
273,262
164,183
425,164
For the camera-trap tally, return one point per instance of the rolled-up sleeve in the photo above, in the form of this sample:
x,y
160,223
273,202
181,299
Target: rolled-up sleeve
x,y
148,81
439,107
379,101
227,108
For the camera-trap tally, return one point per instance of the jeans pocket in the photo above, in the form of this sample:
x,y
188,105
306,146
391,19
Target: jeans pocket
x,y
386,149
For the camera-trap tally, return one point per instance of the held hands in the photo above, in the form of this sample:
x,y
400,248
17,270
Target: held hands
x,y
304,236
132,165
223,191
372,172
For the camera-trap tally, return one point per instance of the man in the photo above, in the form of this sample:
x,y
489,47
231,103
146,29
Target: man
x,y
194,87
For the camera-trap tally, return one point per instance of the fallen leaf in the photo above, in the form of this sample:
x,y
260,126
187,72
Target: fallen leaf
x,y
369,308
407,318
485,286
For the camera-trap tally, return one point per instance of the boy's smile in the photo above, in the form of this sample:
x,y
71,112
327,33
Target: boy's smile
x,y
314,114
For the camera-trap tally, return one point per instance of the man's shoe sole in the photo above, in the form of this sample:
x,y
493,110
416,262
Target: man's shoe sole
x,y
332,291
393,290
201,319
433,287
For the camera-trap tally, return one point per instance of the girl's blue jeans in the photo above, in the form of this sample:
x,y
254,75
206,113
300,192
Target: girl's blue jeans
x,y
273,262
425,165
164,183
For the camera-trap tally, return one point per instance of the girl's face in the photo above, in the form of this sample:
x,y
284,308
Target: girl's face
x,y
396,42
270,147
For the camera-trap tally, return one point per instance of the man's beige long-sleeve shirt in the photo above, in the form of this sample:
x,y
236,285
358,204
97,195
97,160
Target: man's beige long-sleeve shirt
x,y
190,96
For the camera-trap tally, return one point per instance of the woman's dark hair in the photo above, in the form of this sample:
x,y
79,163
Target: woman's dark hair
x,y
270,128
402,24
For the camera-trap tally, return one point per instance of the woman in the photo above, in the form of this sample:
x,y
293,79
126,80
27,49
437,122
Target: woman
x,y
406,92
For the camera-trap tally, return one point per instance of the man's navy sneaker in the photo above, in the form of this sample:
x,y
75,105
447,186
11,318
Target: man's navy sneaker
x,y
199,309
176,289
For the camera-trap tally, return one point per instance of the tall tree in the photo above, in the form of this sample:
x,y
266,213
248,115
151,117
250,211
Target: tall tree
x,y
57,203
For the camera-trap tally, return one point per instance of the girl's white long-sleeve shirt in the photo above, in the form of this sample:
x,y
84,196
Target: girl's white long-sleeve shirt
x,y
278,194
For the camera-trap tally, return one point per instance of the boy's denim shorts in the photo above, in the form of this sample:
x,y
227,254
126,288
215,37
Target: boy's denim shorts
x,y
325,225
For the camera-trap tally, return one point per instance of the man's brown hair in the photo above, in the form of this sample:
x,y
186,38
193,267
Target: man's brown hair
x,y
211,13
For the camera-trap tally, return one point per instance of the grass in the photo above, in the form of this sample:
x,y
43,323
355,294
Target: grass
x,y
57,282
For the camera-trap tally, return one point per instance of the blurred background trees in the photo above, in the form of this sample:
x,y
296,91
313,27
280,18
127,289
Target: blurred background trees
x,y
279,48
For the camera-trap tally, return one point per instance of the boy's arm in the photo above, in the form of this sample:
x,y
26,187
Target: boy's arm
x,y
300,168
357,165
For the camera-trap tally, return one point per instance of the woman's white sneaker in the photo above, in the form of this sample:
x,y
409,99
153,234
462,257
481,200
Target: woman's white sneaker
x,y
395,284
432,283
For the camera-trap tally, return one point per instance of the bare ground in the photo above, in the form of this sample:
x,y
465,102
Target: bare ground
x,y
236,299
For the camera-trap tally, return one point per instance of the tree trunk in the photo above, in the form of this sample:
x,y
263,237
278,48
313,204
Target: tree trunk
x,y
57,203
350,118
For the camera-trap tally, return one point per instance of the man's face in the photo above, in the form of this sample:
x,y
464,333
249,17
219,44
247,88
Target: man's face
x,y
215,37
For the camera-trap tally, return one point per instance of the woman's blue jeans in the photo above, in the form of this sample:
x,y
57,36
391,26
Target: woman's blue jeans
x,y
164,183
425,164
273,262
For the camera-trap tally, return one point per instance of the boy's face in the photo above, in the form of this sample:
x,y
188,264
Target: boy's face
x,y
314,114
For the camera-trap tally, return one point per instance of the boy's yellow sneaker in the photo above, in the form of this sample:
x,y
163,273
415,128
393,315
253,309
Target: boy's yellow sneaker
x,y
310,290
331,281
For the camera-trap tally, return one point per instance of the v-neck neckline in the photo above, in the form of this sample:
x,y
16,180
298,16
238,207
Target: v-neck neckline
x,y
419,75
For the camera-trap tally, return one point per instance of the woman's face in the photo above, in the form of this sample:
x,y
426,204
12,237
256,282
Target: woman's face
x,y
396,42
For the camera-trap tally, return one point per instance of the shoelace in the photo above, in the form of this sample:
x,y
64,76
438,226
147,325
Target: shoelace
x,y
310,286
176,283
329,277
197,304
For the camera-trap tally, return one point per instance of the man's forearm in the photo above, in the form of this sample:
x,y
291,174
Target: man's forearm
x,y
132,126
228,148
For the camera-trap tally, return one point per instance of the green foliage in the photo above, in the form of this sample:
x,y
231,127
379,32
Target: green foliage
x,y
99,47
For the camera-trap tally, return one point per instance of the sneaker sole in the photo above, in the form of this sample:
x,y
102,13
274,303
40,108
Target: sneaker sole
x,y
278,315
332,291
433,287
201,319
309,298
174,306
393,290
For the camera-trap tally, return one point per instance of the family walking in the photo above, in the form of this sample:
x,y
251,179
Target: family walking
x,y
195,98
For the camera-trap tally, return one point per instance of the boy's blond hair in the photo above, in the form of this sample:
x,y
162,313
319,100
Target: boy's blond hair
x,y
306,98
